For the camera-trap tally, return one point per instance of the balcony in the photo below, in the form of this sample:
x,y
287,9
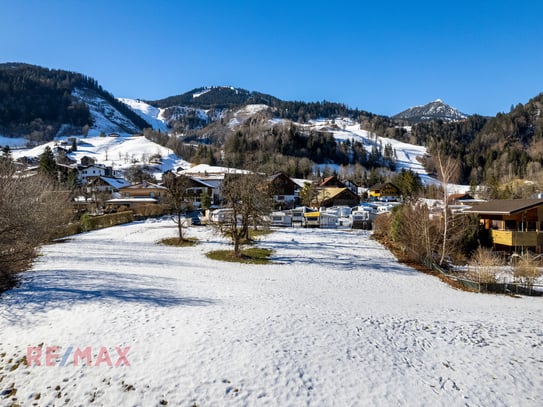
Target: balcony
x,y
515,238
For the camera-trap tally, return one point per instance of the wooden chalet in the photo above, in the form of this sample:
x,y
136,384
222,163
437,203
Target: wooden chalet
x,y
513,224
144,190
384,190
328,197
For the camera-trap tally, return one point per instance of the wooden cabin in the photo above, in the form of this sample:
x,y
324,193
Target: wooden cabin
x,y
513,224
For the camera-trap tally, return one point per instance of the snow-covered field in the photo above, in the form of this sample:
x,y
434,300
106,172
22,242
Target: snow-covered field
x,y
335,321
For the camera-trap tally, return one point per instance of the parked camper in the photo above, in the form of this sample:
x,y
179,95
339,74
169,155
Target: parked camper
x,y
343,214
220,215
320,220
282,219
360,219
312,219
298,218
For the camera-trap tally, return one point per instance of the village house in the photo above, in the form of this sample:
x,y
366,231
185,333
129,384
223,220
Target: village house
x,y
327,197
385,191
331,182
284,190
86,174
106,184
513,224
144,190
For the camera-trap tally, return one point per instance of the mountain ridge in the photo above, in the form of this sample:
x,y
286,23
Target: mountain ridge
x,y
435,110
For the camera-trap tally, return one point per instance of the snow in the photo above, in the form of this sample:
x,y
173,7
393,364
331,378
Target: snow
x,y
198,94
119,152
336,320
106,118
206,169
408,155
151,114
246,112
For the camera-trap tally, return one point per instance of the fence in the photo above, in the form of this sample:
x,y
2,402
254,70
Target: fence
x,y
535,290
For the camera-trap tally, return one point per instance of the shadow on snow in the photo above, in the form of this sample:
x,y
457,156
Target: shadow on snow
x,y
41,291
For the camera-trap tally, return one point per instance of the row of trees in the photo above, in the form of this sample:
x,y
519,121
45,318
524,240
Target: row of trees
x,y
245,198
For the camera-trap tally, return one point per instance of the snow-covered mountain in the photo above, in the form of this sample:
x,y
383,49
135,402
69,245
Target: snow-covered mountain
x,y
436,110
106,117
152,115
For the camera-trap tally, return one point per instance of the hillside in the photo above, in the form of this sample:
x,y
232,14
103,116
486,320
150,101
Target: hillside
x,y
215,97
232,126
40,103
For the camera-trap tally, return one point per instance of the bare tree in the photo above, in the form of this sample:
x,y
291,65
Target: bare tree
x,y
248,202
31,211
179,198
448,172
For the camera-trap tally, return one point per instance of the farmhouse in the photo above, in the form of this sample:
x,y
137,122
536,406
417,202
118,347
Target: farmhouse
x,y
513,224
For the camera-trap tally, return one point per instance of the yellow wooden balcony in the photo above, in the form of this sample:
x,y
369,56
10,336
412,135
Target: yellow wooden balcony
x,y
515,238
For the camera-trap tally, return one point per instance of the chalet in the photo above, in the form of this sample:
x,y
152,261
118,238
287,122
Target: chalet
x,y
385,191
87,174
106,184
328,197
284,190
513,224
144,190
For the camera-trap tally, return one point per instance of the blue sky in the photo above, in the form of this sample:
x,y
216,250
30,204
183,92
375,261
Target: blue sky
x,y
480,56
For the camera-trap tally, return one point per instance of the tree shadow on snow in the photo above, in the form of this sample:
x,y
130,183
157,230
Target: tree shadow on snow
x,y
41,291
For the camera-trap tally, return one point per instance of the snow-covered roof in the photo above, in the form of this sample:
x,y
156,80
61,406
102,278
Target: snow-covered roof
x,y
116,183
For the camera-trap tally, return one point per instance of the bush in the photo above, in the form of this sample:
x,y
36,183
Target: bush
x,y
483,266
103,221
526,270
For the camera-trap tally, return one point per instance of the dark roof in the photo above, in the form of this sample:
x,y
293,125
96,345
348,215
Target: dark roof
x,y
380,186
505,206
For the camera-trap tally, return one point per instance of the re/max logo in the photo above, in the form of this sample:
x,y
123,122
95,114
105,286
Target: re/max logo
x,y
52,356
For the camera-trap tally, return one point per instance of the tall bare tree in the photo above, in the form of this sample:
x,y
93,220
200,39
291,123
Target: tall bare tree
x,y
249,202
448,172
179,198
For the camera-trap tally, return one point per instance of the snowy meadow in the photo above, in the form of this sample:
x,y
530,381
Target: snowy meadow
x,y
334,321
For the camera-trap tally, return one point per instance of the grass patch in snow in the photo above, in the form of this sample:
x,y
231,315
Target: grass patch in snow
x,y
259,232
253,255
174,241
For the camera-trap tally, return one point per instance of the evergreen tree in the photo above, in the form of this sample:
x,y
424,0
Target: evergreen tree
x,y
48,164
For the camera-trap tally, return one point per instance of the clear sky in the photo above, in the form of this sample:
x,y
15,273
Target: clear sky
x,y
480,56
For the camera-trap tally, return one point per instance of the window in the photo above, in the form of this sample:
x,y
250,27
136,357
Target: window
x,y
510,225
